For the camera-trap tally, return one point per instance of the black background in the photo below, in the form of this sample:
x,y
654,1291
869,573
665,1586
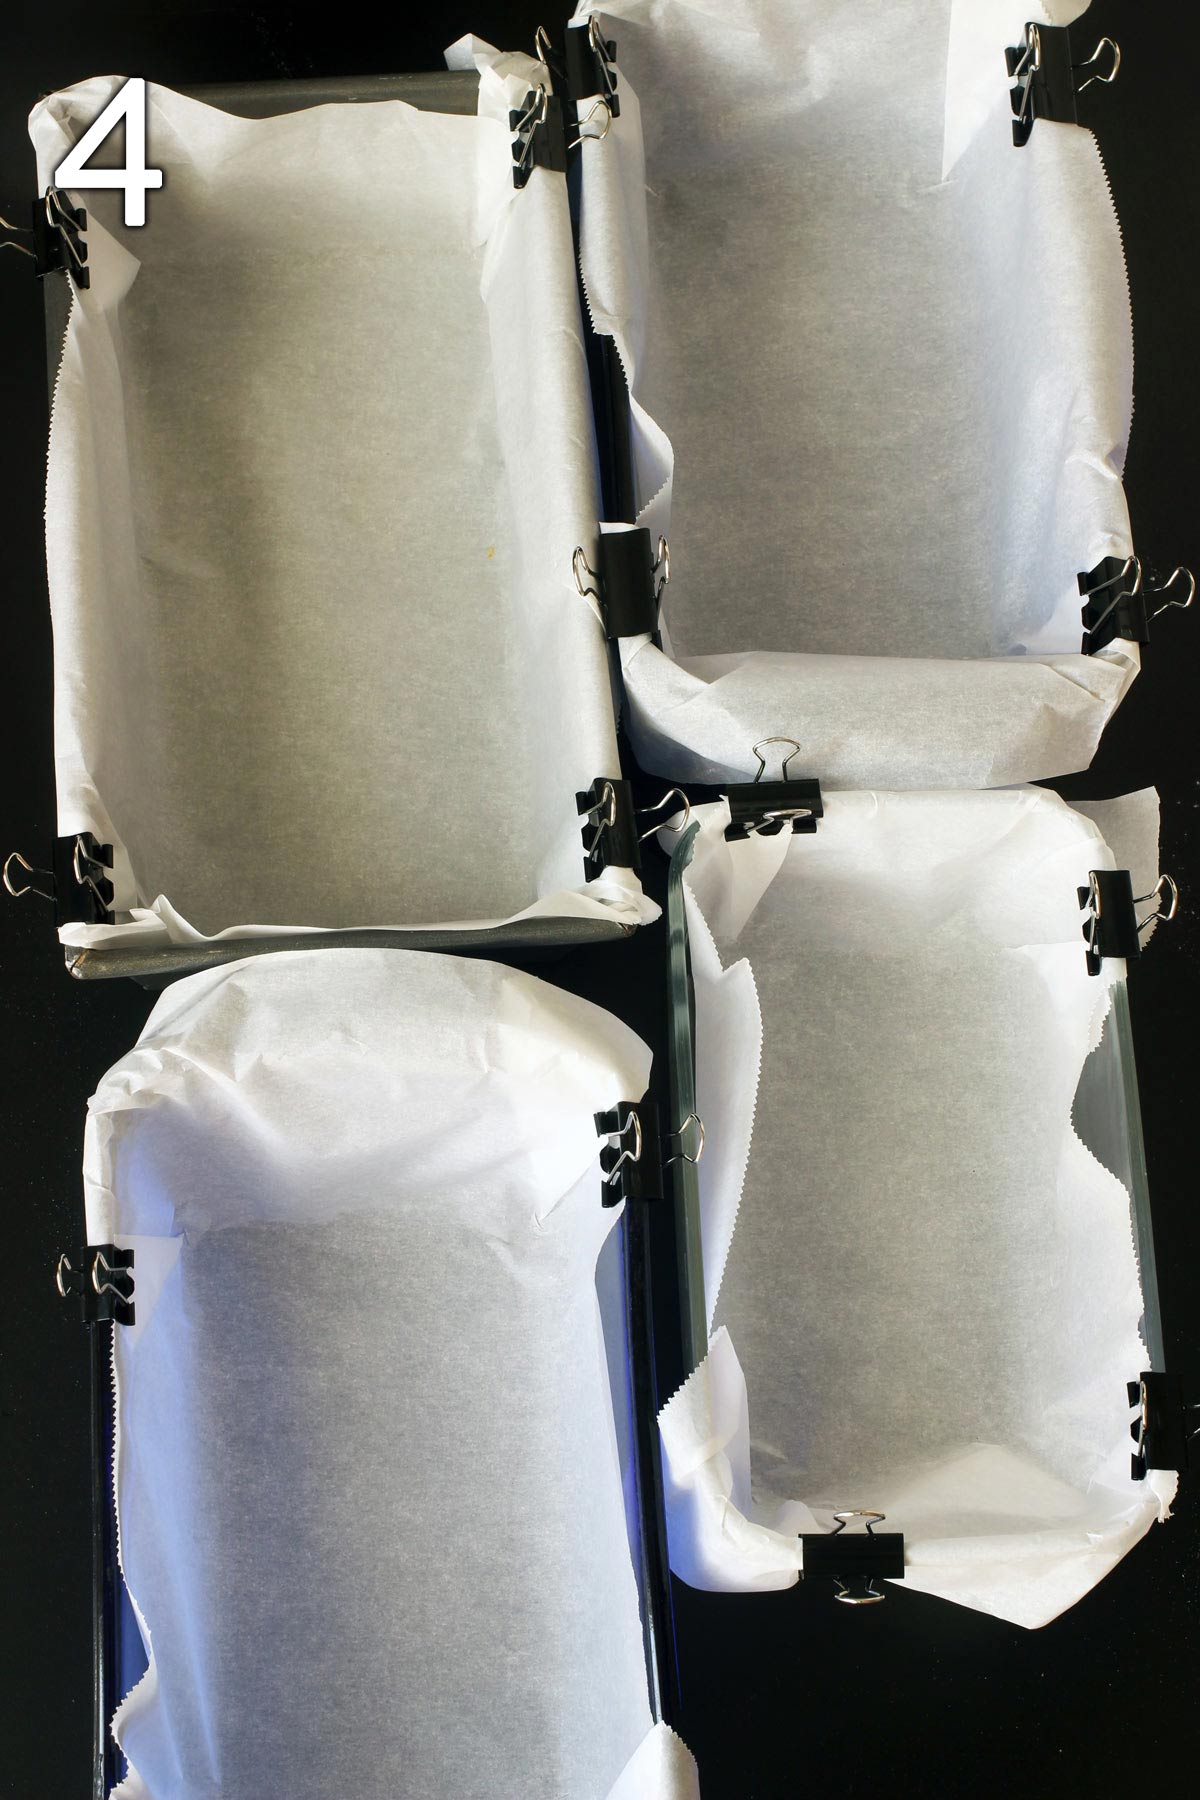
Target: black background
x,y
781,1693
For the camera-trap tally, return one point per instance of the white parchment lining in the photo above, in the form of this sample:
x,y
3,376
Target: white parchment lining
x,y
368,1490
882,372
931,1286
320,452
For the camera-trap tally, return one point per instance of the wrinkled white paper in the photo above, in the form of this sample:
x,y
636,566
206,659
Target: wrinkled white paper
x,y
892,356
368,1491
929,1280
320,454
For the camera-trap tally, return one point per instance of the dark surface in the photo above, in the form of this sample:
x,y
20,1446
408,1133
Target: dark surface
x,y
781,1693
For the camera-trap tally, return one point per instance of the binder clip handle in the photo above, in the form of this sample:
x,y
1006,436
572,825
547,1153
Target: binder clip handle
x,y
1114,50
697,1130
1179,574
13,240
18,886
591,137
648,812
757,749
1165,887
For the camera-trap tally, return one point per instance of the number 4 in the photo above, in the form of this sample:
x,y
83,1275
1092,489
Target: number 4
x,y
129,104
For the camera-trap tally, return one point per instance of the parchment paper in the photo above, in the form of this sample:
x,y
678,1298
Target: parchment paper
x,y
893,358
320,453
931,1286
368,1490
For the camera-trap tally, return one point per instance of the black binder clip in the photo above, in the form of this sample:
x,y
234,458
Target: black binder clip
x,y
83,868
1164,1430
632,1163
1111,926
539,135
55,238
1114,605
629,582
1048,81
101,1279
79,883
611,835
763,808
855,1562
1116,600
589,64
58,229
